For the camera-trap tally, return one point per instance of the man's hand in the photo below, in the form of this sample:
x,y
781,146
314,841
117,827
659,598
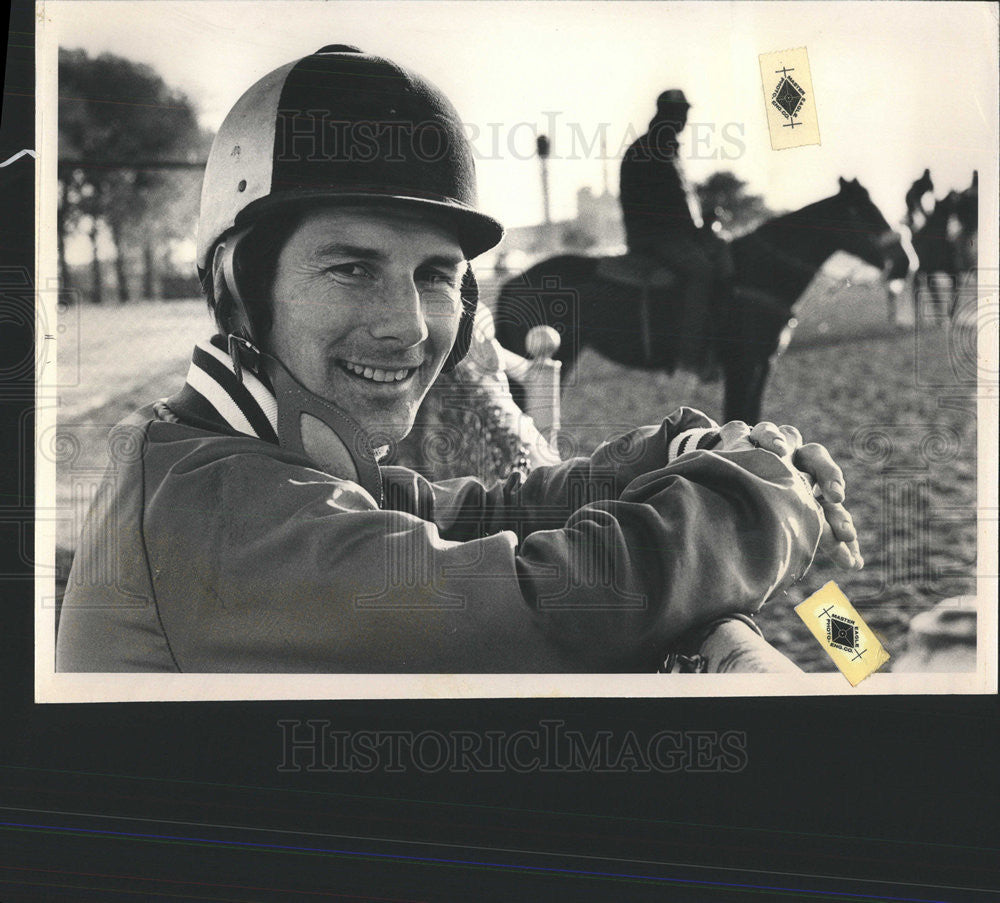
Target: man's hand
x,y
840,539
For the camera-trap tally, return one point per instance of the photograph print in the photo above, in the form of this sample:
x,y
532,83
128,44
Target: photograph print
x,y
512,349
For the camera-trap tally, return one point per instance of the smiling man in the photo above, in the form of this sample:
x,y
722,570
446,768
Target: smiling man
x,y
246,525
365,305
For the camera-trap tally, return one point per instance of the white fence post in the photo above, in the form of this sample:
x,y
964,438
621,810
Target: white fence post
x,y
542,381
540,377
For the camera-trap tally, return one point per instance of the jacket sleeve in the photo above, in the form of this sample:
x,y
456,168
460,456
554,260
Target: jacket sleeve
x,y
259,564
465,508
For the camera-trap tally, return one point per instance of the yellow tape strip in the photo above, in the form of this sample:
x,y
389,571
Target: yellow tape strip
x,y
789,98
842,632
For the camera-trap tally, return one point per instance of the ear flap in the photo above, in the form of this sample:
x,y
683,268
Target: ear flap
x,y
470,300
226,290
225,285
843,183
219,287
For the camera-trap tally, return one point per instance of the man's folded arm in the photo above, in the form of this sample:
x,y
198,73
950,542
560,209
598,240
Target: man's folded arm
x,y
318,579
465,508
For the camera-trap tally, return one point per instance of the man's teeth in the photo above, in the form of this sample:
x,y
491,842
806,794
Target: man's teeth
x,y
377,375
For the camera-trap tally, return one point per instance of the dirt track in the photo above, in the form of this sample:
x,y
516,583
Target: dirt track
x,y
895,407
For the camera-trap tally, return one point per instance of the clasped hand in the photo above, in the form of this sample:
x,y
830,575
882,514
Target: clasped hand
x,y
839,540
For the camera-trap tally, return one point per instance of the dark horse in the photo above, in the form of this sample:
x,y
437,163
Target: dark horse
x,y
946,245
773,266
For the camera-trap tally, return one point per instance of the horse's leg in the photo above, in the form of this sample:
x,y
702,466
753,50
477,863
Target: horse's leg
x,y
755,390
890,295
890,299
956,295
968,282
909,294
921,291
745,379
738,401
737,362
739,376
937,296
943,297
732,382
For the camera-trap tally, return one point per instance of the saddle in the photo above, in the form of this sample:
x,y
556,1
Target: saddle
x,y
636,271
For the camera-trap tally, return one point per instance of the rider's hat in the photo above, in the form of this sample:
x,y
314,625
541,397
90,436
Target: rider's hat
x,y
672,97
341,125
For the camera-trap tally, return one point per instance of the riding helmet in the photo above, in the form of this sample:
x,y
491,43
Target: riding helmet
x,y
344,125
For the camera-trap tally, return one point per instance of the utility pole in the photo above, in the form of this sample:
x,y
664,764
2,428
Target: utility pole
x,y
604,162
542,143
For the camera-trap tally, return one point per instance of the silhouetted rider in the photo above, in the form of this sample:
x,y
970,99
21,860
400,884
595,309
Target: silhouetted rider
x,y
916,211
663,220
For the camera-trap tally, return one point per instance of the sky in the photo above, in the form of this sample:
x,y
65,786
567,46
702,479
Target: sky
x,y
899,86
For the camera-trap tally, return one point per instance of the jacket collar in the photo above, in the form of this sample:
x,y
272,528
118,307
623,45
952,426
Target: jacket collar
x,y
213,398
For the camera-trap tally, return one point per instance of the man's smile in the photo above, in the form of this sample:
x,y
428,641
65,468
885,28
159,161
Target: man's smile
x,y
375,374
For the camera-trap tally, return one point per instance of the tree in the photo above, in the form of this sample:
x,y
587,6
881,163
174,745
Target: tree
x,y
113,112
724,200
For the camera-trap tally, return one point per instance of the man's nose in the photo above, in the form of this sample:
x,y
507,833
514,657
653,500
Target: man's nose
x,y
398,313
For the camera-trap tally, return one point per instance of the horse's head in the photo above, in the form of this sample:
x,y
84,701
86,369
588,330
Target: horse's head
x,y
862,230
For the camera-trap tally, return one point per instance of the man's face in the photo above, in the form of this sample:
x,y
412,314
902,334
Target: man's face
x,y
365,309
676,113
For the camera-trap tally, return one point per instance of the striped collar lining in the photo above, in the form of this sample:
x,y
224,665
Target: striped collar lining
x,y
248,407
212,393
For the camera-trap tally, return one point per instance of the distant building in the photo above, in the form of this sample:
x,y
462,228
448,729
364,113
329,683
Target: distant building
x,y
600,216
596,229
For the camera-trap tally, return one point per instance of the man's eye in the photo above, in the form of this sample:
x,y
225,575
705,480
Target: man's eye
x,y
437,279
350,270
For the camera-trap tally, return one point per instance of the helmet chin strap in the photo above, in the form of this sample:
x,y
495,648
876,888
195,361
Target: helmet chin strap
x,y
312,426
307,423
